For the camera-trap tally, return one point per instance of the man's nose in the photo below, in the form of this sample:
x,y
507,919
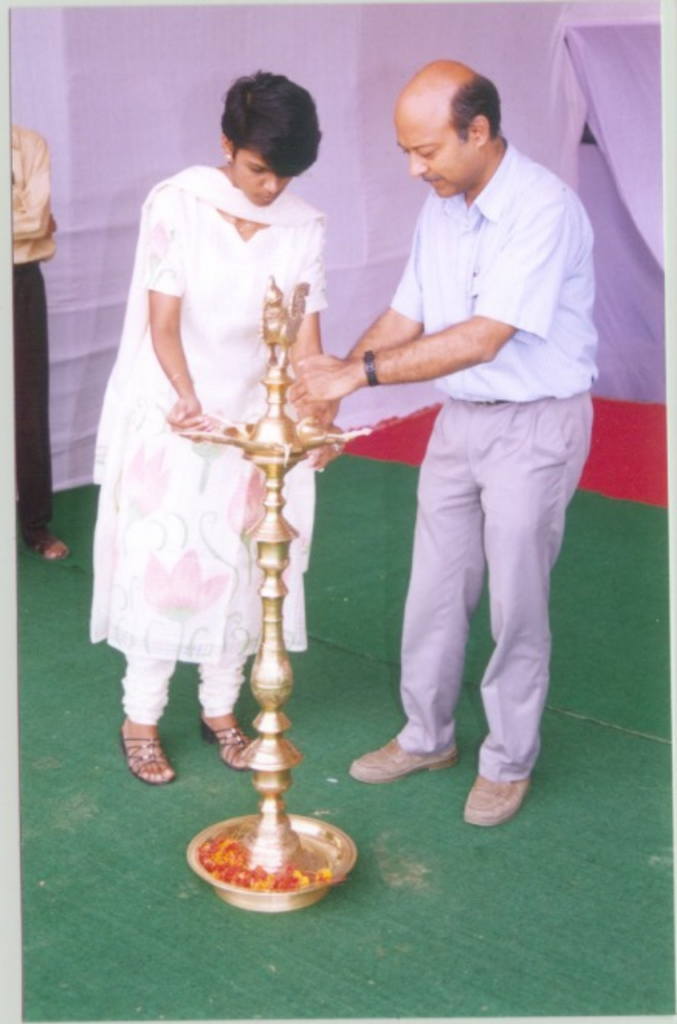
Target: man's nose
x,y
417,166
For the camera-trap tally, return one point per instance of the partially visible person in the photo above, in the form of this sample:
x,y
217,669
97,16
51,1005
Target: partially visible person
x,y
175,577
495,305
33,228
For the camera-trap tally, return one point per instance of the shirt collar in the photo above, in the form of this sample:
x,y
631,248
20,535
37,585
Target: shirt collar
x,y
491,200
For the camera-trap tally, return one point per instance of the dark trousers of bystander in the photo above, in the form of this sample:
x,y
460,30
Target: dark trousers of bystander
x,y
31,400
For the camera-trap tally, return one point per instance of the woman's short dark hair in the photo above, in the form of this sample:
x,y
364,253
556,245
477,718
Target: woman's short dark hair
x,y
275,118
479,96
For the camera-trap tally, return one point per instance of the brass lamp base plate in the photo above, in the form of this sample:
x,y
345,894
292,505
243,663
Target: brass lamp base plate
x,y
323,845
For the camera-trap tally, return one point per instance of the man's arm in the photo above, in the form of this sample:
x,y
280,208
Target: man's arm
x,y
327,378
31,200
470,343
403,355
391,330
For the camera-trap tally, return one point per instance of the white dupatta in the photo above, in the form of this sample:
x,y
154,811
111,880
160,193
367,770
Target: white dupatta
x,y
210,185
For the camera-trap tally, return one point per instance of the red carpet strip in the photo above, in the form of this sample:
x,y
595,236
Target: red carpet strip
x,y
628,457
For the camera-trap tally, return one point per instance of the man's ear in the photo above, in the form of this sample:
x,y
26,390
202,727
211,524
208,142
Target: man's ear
x,y
479,130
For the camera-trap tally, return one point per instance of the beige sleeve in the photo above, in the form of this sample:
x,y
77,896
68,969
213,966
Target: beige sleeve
x,y
31,191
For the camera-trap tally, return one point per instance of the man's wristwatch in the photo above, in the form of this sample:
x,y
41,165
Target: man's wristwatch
x,y
369,362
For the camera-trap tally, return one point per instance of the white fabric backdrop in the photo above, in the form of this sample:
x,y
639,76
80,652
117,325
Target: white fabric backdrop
x,y
128,95
625,121
620,182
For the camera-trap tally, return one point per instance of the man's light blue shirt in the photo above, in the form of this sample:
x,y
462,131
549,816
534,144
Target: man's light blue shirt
x,y
521,253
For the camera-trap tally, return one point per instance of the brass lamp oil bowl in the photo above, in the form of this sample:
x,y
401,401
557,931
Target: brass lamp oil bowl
x,y
327,855
273,861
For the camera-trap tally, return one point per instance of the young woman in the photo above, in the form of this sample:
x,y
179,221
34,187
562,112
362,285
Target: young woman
x,y
175,574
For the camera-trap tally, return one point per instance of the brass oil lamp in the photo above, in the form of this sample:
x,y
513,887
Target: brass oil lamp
x,y
273,840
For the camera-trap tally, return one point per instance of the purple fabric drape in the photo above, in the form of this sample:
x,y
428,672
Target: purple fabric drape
x,y
120,115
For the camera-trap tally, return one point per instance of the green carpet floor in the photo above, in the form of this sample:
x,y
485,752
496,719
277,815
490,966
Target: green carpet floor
x,y
565,911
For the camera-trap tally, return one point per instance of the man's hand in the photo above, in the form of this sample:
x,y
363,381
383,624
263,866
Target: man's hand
x,y
321,457
325,379
323,412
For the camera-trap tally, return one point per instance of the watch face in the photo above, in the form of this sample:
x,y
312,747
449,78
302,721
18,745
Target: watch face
x,y
370,368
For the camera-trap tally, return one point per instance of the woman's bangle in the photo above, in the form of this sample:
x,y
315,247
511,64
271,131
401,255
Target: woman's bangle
x,y
179,374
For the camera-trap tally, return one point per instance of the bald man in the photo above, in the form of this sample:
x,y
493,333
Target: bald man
x,y
495,306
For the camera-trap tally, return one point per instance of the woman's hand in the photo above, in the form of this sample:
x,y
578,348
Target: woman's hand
x,y
186,414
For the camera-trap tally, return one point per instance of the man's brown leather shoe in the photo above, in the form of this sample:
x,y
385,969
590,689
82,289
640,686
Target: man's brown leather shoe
x,y
492,803
391,762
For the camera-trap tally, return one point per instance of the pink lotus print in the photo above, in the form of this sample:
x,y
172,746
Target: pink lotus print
x,y
181,592
159,241
160,263
246,507
148,481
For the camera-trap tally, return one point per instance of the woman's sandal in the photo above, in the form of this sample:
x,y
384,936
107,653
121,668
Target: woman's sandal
x,y
232,741
146,759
